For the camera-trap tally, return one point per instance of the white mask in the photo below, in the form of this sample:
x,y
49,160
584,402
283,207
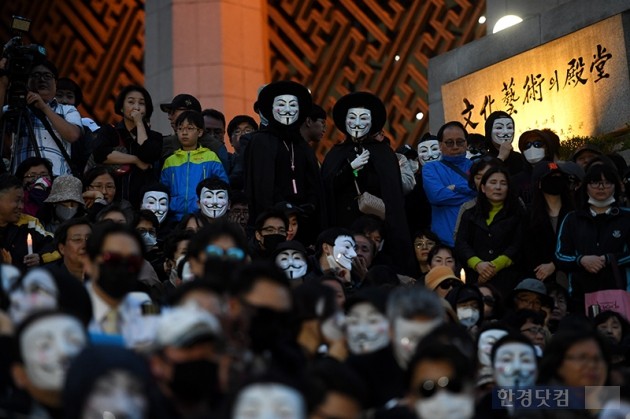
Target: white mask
x,y
487,339
48,345
292,262
367,329
515,365
213,203
119,394
407,335
533,155
37,292
358,122
429,151
157,203
285,109
468,316
269,401
343,252
601,204
446,405
333,327
502,130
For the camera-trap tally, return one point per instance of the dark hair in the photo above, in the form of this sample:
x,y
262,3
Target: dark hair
x,y
510,204
554,142
604,316
213,113
518,318
65,83
429,235
461,364
213,231
480,164
246,277
172,241
178,294
511,337
439,246
329,236
595,173
8,181
201,221
556,350
157,187
32,162
40,59
100,216
539,211
193,117
317,112
498,310
272,213
381,275
313,300
238,120
328,375
212,183
238,197
367,224
61,233
146,215
101,231
120,100
451,124
95,172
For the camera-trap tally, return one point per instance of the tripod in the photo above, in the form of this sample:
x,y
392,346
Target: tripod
x,y
11,121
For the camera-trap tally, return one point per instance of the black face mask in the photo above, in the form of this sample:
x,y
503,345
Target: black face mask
x,y
196,381
220,270
554,185
268,328
117,280
271,241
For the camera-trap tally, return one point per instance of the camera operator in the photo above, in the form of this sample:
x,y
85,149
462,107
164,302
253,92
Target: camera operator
x,y
63,120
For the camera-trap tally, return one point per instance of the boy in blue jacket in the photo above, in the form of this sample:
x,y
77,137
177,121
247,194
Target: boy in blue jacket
x,y
189,165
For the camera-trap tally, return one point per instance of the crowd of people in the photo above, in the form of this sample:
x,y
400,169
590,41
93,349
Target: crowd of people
x,y
150,275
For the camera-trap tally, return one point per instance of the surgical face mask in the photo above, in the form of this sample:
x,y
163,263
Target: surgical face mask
x,y
269,400
429,151
407,335
487,339
157,203
515,365
149,240
502,131
38,291
213,203
119,394
344,252
446,405
285,109
358,122
468,316
367,329
65,213
292,262
48,346
533,155
601,204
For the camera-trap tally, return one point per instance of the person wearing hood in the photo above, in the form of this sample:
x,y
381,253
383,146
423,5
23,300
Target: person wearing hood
x,y
467,301
537,147
499,129
64,202
361,164
446,181
279,164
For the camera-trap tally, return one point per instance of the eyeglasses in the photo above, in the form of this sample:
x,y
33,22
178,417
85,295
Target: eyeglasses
x,y
535,144
449,283
274,230
427,244
583,359
147,230
451,143
79,239
534,330
489,300
107,187
42,76
429,387
233,253
239,132
600,184
189,129
132,262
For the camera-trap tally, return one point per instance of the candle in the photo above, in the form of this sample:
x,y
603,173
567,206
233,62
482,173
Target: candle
x,y
462,275
29,243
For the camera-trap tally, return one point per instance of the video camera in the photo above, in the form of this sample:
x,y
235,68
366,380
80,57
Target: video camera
x,y
20,60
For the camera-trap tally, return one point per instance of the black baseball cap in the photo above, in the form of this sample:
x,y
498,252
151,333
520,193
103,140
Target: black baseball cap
x,y
182,101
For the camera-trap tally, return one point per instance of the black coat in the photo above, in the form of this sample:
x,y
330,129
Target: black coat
x,y
380,177
503,236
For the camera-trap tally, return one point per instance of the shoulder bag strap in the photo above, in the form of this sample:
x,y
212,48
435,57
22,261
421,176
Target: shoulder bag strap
x,y
455,168
40,115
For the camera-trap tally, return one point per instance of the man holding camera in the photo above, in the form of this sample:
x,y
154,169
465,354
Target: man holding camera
x,y
55,126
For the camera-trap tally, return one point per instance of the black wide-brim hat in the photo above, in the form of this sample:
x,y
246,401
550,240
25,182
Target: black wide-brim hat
x,y
360,100
285,87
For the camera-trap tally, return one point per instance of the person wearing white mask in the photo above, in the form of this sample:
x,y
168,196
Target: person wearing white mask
x,y
290,256
213,198
156,199
499,130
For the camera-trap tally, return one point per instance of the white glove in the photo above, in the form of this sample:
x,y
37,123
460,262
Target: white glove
x,y
361,160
